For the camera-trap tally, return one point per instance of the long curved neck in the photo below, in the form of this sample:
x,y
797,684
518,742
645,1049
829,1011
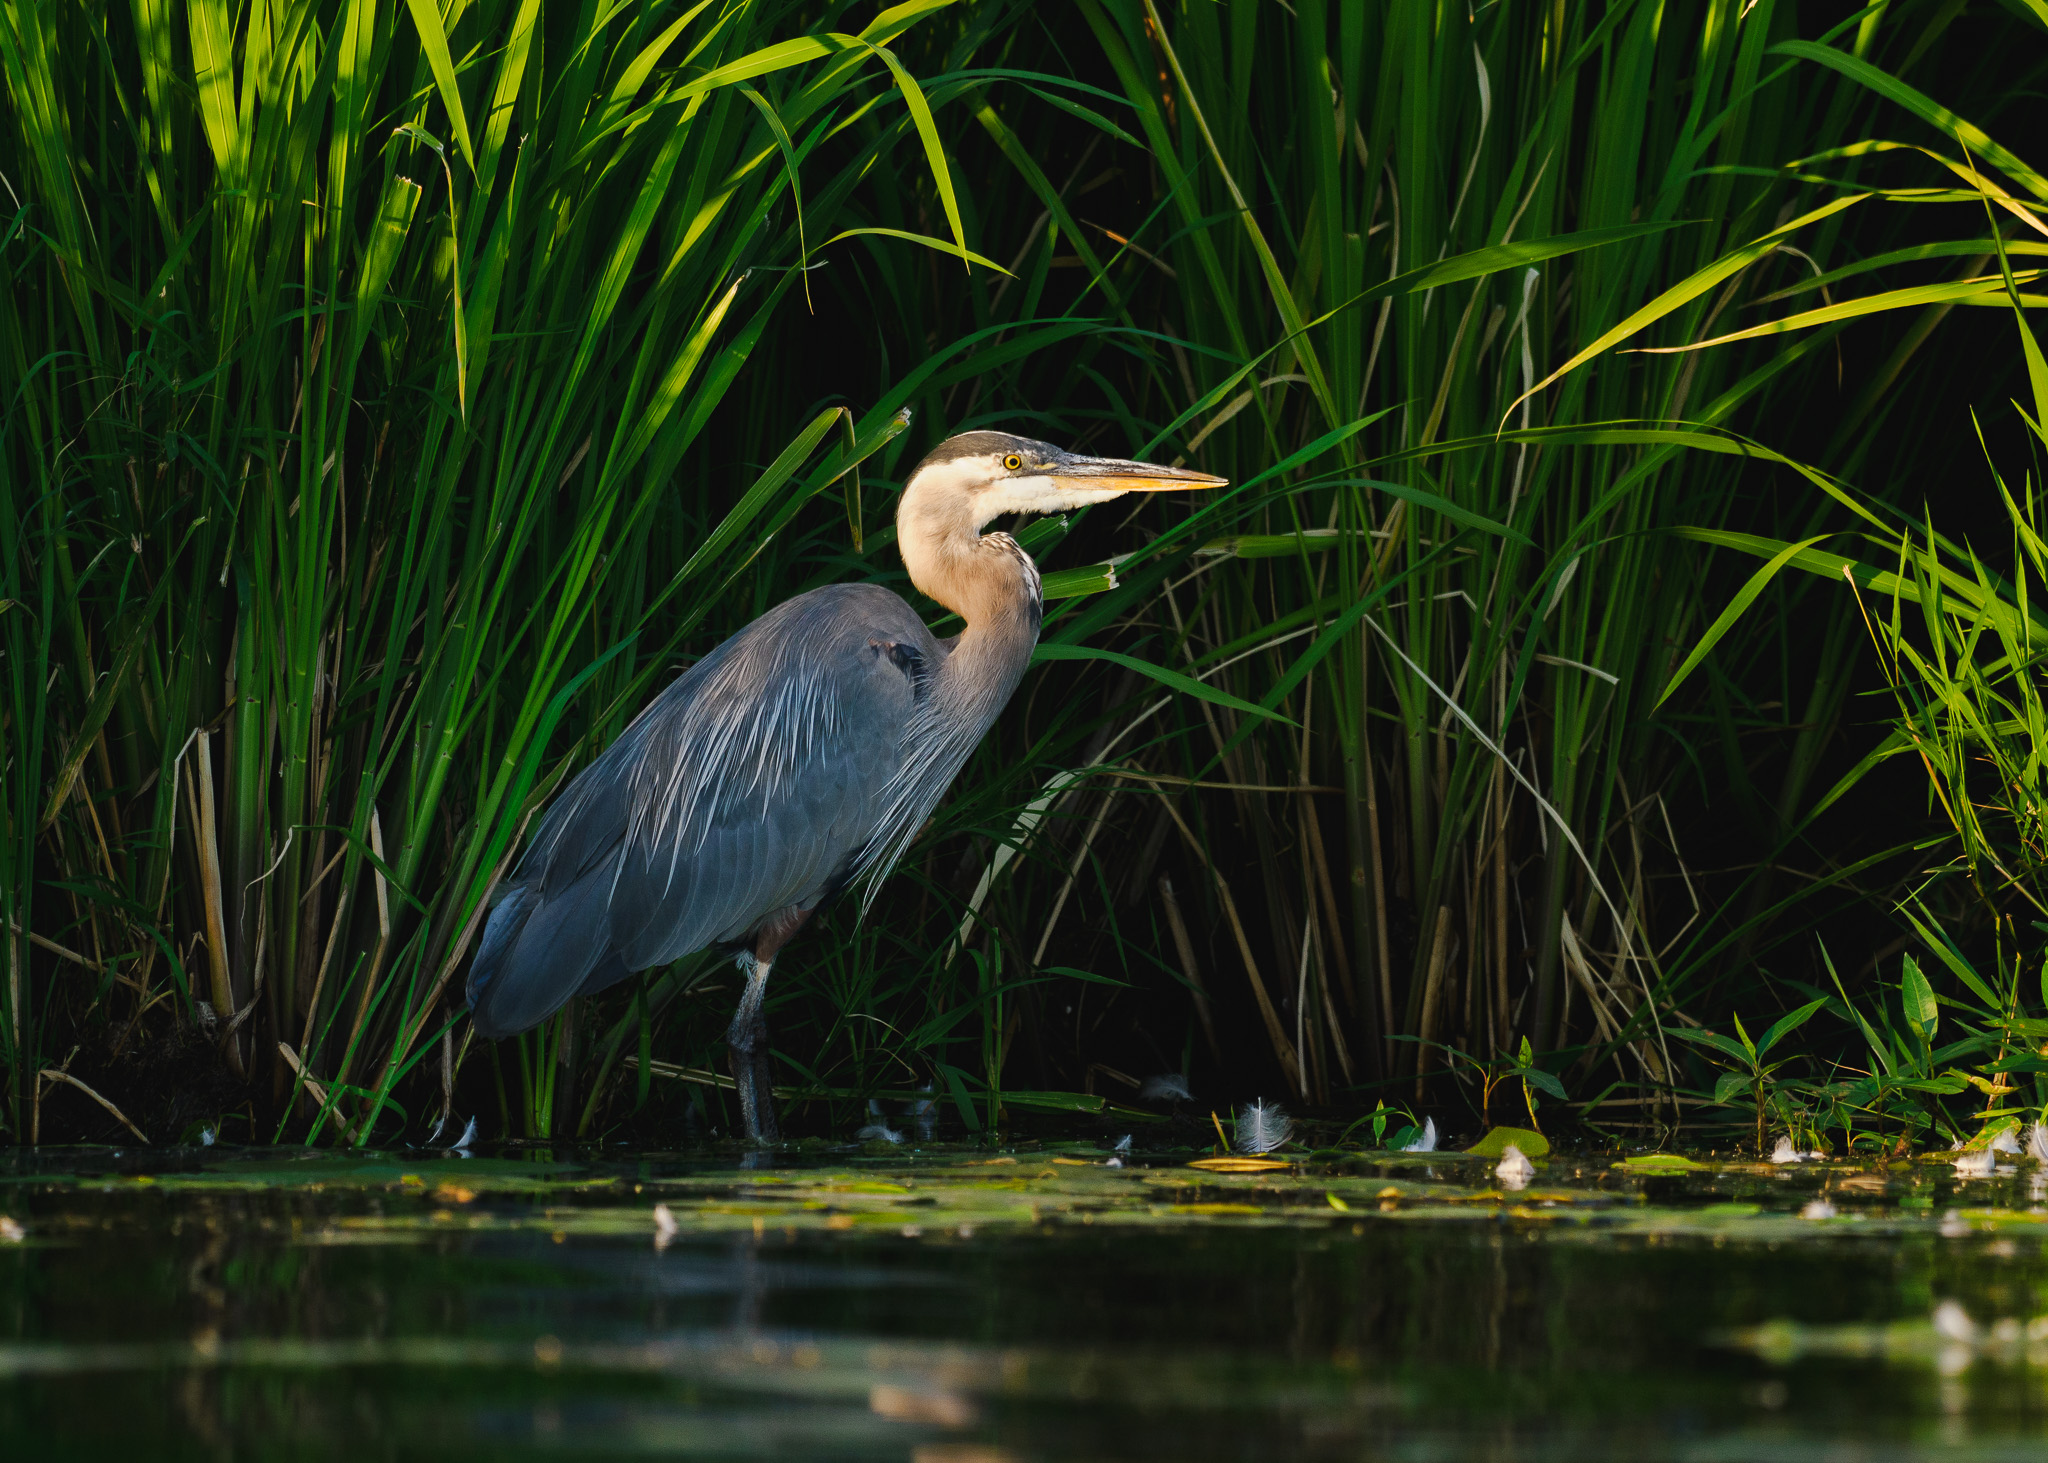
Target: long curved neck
x,y
987,580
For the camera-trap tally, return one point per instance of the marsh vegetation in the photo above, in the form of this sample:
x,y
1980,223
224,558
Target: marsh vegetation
x,y
1618,620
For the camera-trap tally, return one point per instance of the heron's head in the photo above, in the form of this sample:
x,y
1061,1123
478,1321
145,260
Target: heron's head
x,y
981,476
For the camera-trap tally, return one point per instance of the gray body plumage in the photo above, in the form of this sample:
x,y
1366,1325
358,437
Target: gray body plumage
x,y
802,753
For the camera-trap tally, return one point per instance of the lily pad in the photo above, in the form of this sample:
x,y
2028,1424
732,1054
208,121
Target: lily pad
x,y
1531,1143
1230,1163
1658,1163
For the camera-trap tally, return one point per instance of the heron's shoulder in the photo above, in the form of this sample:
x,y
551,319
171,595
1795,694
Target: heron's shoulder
x,y
860,611
847,599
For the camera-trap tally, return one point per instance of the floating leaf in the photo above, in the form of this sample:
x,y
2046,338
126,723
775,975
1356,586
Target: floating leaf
x,y
1495,1143
1231,1163
1658,1163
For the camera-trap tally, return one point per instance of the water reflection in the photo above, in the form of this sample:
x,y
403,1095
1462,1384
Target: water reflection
x,y
996,1310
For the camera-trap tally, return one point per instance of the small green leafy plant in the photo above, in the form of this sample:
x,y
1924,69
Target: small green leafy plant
x,y
1749,1068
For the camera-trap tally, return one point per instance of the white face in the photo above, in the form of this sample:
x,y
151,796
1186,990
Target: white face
x,y
1019,479
1003,483
1011,486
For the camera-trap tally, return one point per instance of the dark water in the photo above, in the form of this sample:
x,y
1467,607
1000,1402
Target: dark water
x,y
946,1310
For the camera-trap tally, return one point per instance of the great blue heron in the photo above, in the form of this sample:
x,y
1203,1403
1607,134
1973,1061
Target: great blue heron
x,y
803,753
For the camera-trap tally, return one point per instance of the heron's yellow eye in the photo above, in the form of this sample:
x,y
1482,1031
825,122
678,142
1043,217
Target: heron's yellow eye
x,y
1012,462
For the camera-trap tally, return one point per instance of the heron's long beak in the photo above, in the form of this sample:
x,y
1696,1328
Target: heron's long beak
x,y
1120,475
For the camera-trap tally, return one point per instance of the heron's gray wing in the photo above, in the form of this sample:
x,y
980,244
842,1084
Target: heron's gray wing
x,y
749,785
758,793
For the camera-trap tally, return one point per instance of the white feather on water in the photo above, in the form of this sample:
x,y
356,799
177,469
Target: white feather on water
x,y
1167,1087
1976,1165
2037,1144
1427,1142
1786,1152
1514,1169
879,1129
1262,1126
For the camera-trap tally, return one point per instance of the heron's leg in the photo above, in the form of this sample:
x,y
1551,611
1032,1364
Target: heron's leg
x,y
747,1043
747,1038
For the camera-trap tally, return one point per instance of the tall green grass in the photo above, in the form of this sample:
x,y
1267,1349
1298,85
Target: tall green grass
x,y
399,397
1958,629
352,354
1408,260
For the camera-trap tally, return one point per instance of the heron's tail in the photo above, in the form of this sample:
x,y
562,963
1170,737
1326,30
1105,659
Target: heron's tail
x,y
537,952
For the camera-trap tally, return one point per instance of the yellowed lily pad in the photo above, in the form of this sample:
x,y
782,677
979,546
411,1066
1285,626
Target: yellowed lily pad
x,y
1232,1163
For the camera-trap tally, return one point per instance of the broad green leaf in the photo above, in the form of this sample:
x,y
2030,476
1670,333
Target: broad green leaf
x,y
1743,1032
1543,1081
765,487
1054,1101
1499,258
928,134
1654,1163
1727,1045
1088,975
1789,1022
379,257
787,148
512,63
1328,441
426,20
1532,1143
1916,1000
1812,560
212,24
1073,583
2019,1064
956,1084
942,245
1172,680
1940,118
778,57
1438,503
1278,545
1730,1086
1688,290
1991,1133
1929,929
1948,1084
1949,292
892,22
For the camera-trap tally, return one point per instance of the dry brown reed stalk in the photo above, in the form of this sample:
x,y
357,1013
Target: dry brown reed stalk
x,y
1190,964
53,1074
1283,1049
